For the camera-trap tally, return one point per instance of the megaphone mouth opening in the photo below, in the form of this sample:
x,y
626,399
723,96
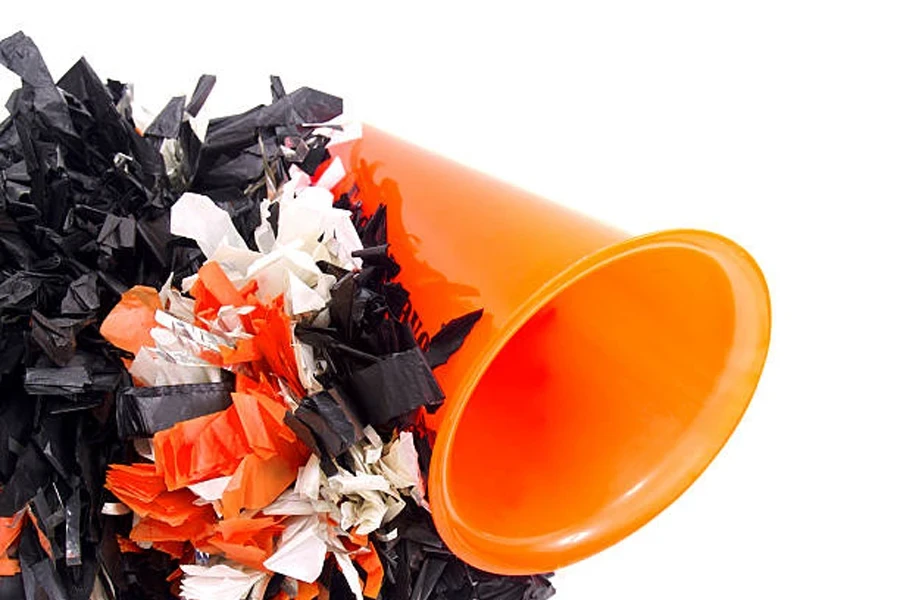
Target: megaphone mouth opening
x,y
600,401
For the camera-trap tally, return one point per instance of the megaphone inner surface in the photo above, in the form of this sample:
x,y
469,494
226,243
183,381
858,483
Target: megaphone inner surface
x,y
611,399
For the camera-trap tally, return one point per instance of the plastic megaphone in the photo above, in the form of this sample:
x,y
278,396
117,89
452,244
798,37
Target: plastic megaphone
x,y
606,372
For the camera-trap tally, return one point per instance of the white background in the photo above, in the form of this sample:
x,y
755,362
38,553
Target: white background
x,y
775,123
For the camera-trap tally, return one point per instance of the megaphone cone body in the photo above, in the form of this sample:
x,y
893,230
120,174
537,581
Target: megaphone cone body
x,y
606,372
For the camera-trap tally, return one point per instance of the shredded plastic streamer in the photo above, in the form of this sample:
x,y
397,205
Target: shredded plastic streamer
x,y
206,387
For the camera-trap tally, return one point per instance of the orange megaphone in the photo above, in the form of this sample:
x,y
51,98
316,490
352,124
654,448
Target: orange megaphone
x,y
606,372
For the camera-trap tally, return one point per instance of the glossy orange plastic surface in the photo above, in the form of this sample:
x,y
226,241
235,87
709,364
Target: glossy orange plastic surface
x,y
605,375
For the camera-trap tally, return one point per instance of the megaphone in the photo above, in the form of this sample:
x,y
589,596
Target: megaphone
x,y
605,375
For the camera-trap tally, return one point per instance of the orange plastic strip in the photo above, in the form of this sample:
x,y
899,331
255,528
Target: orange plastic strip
x,y
371,564
218,285
129,323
